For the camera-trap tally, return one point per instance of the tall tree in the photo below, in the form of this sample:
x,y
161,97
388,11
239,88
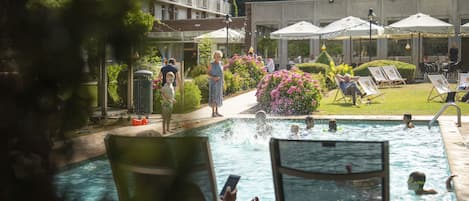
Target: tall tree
x,y
41,55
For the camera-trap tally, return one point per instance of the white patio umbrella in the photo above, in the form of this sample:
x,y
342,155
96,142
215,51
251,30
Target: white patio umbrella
x,y
465,29
422,25
298,31
219,36
349,27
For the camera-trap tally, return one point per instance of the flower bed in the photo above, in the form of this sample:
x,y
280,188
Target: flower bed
x,y
289,93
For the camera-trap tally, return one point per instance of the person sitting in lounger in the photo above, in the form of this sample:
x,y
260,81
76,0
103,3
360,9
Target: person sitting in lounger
x,y
416,182
349,86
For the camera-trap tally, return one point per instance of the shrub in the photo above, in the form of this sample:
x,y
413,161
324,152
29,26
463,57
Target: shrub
x,y
289,92
113,91
202,83
247,68
198,70
405,69
325,58
313,67
232,82
192,98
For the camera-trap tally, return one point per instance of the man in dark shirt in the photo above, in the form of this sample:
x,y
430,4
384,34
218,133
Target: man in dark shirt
x,y
453,53
171,67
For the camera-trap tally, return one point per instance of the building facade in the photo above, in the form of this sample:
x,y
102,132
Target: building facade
x,y
178,22
266,17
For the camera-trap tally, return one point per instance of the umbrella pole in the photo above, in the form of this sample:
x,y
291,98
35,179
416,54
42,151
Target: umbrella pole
x,y
350,51
360,58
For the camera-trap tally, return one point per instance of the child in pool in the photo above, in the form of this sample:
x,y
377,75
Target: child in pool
x,y
332,125
408,121
294,131
262,127
309,122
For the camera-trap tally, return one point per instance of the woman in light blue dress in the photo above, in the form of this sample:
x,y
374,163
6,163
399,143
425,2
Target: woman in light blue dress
x,y
215,83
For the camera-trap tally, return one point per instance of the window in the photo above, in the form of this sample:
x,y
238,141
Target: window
x,y
189,13
218,6
360,48
151,9
204,14
397,47
176,13
435,46
163,12
204,3
197,15
171,12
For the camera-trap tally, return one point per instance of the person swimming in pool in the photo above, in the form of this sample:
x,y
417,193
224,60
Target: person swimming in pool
x,y
262,127
408,121
332,125
416,182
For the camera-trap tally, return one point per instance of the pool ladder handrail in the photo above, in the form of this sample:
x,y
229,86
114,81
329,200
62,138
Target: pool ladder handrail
x,y
445,106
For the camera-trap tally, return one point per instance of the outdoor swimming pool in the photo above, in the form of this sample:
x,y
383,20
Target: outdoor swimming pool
x,y
418,149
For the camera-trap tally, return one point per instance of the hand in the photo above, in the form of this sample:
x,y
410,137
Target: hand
x,y
230,195
216,78
174,100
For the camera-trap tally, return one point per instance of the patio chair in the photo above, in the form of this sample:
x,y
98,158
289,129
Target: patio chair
x,y
379,76
463,81
440,85
161,168
369,87
393,74
330,170
341,96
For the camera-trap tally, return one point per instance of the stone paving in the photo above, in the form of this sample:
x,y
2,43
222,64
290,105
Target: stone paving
x,y
92,145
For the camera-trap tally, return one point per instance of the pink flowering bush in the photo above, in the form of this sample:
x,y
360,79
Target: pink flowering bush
x,y
289,92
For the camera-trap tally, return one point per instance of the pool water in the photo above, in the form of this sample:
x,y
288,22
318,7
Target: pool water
x,y
418,149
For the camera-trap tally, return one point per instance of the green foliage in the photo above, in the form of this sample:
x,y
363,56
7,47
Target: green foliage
x,y
249,71
325,58
122,85
405,69
289,93
192,97
138,22
298,48
313,67
113,73
232,82
205,51
198,70
321,80
267,46
150,60
202,83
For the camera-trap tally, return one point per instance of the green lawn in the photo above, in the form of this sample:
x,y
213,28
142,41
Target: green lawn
x,y
411,98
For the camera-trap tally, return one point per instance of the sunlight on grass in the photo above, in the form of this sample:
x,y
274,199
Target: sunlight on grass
x,y
411,98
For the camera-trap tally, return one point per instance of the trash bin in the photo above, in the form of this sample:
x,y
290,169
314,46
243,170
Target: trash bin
x,y
143,93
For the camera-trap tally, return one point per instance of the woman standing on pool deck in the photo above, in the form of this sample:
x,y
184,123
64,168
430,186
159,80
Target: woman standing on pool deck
x,y
215,90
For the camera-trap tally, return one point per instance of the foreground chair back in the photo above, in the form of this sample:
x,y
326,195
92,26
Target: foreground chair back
x,y
330,170
162,168
379,76
393,74
369,87
440,85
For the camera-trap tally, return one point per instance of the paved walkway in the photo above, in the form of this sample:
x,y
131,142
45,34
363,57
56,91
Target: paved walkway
x,y
92,145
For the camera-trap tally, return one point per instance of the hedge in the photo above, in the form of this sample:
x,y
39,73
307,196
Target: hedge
x,y
405,69
313,67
